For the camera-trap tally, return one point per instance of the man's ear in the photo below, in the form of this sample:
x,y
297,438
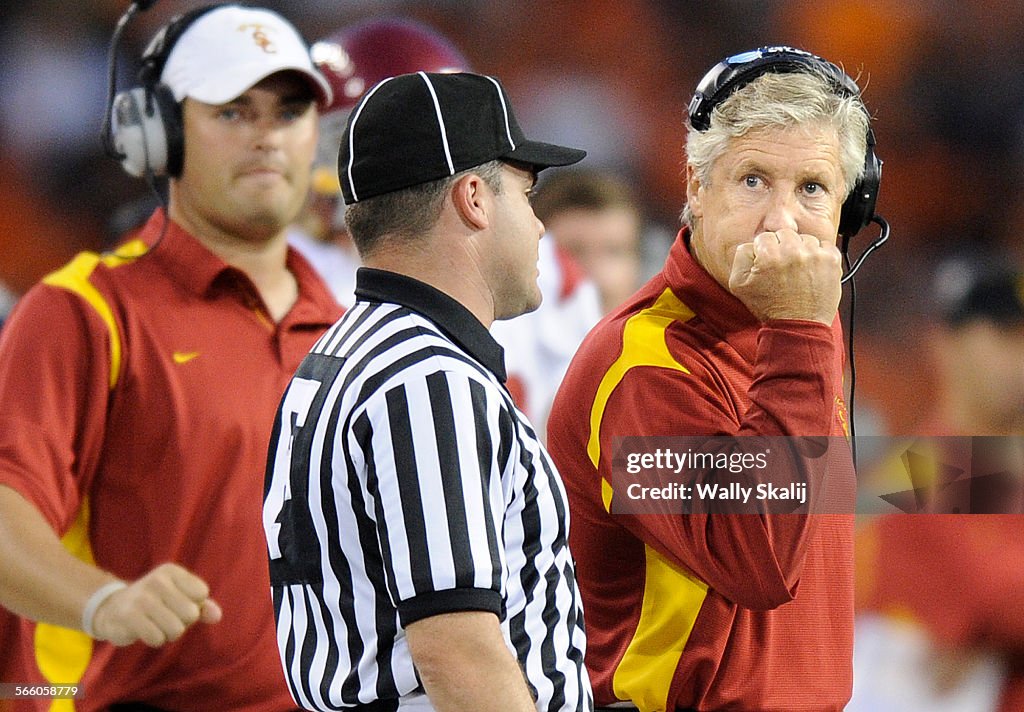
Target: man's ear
x,y
694,192
473,199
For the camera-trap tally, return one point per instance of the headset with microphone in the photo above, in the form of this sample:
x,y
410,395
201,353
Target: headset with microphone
x,y
859,206
739,70
142,126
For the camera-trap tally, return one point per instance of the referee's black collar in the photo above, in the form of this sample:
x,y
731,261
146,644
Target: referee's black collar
x,y
451,316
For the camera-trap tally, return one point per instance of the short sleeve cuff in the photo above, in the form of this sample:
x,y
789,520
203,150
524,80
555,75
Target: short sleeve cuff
x,y
452,600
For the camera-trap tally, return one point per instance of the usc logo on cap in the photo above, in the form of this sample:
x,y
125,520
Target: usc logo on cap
x,y
259,36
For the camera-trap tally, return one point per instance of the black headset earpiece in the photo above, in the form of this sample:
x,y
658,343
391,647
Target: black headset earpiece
x,y
859,207
739,70
145,129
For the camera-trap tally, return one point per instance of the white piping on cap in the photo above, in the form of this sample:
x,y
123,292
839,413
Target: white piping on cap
x,y
504,110
440,122
351,137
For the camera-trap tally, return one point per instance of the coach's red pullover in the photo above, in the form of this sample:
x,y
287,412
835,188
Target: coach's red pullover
x,y
722,612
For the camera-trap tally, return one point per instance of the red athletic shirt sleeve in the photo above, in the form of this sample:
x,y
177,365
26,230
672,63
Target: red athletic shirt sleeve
x,y
752,560
57,388
957,576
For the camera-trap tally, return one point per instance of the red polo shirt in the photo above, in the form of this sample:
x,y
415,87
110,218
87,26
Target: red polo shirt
x,y
140,393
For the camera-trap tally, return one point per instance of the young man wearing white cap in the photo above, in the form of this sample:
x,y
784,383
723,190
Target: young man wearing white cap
x,y
143,386
416,526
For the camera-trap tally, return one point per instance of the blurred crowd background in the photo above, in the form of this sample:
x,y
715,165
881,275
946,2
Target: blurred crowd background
x,y
611,76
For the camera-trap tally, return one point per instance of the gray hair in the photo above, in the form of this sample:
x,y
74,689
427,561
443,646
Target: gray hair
x,y
782,100
403,215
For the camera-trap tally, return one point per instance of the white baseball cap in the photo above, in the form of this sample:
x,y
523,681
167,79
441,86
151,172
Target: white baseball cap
x,y
229,49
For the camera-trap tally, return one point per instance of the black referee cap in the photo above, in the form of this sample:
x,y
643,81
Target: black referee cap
x,y
416,128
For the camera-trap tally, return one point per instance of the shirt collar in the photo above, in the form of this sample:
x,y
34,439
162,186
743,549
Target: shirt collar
x,y
715,305
203,273
450,316
188,261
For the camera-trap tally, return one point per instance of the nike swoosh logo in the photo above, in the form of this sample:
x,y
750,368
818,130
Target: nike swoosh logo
x,y
184,356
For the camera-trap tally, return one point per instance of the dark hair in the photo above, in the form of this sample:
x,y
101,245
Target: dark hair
x,y
583,189
966,291
407,213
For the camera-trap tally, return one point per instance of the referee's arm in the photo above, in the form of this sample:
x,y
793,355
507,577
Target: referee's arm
x,y
465,664
440,446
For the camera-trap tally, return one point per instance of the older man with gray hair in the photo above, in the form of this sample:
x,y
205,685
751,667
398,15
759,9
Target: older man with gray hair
x,y
689,609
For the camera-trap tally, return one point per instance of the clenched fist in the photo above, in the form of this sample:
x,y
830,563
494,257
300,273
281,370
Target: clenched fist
x,y
785,275
156,608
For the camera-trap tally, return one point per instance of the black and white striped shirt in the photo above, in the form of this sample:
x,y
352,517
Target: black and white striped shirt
x,y
403,483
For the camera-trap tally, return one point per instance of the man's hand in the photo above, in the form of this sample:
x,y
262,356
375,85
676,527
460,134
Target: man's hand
x,y
784,275
156,609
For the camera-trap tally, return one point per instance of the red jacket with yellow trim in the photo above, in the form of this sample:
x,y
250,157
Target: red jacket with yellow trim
x,y
727,611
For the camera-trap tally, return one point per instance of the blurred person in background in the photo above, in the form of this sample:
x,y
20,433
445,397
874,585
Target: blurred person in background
x,y
353,59
55,63
594,216
146,382
538,345
977,346
940,597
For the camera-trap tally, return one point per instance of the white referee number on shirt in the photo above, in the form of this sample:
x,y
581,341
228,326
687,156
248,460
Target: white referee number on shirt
x,y
294,410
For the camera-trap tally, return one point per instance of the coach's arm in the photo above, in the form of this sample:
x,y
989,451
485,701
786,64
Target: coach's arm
x,y
465,664
42,581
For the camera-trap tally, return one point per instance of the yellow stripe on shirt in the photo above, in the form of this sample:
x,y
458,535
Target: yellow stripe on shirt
x,y
643,344
672,600
672,597
74,277
63,654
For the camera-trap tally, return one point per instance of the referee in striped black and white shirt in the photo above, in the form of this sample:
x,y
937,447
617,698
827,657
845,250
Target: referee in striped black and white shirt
x,y
416,527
